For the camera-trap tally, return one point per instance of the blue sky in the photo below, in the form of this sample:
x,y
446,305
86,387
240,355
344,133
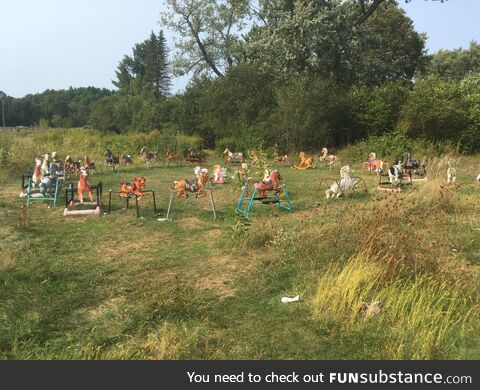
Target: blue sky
x,y
55,44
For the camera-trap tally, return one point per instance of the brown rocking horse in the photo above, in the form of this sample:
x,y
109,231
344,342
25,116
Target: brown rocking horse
x,y
147,156
137,188
196,185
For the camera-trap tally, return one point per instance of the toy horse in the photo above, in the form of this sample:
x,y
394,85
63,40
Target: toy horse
x,y
110,159
170,156
37,172
137,188
148,157
72,166
328,158
126,159
269,182
45,163
305,162
233,157
374,165
346,183
88,164
280,159
84,186
196,185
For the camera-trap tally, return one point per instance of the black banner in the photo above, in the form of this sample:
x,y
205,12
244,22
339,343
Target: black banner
x,y
239,374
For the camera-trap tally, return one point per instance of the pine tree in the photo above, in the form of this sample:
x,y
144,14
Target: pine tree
x,y
149,65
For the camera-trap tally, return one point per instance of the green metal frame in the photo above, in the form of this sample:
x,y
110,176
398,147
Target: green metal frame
x,y
31,192
252,200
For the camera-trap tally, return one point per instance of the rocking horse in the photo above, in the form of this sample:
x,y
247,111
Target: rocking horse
x,y
280,159
271,182
147,156
111,161
230,157
170,156
396,178
45,164
329,159
305,162
126,159
374,165
88,164
194,156
37,173
345,185
72,166
197,186
82,187
135,189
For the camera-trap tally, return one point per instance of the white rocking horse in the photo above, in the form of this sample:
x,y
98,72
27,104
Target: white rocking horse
x,y
346,183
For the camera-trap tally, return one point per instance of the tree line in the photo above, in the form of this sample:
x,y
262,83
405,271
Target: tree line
x,y
298,74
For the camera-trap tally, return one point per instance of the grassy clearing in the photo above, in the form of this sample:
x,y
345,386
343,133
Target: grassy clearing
x,y
118,287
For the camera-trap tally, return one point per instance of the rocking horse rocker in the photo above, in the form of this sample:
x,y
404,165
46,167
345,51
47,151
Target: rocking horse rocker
x,y
198,186
268,191
82,187
135,190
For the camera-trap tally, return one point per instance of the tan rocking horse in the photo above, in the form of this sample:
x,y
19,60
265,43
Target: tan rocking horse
x,y
305,162
84,186
196,185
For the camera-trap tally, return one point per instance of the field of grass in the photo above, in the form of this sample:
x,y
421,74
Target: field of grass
x,y
118,287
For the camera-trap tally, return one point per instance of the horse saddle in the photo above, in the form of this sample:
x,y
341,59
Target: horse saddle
x,y
191,185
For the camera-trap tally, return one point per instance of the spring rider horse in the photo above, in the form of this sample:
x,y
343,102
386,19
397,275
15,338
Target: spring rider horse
x,y
260,194
198,186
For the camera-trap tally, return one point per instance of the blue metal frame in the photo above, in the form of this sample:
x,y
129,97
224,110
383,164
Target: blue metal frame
x,y
252,200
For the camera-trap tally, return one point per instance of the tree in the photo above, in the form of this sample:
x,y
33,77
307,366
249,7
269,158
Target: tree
x,y
305,37
454,64
391,48
208,33
149,65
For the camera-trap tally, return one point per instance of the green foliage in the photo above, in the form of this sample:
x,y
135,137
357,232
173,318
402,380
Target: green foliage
x,y
390,147
62,108
436,110
454,64
312,113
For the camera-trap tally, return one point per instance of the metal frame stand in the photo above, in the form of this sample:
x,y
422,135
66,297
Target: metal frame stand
x,y
174,192
128,200
252,200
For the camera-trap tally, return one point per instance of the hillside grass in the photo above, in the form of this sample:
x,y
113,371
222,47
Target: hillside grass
x,y
118,287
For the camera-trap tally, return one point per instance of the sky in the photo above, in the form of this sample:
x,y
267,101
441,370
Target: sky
x,y
55,44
